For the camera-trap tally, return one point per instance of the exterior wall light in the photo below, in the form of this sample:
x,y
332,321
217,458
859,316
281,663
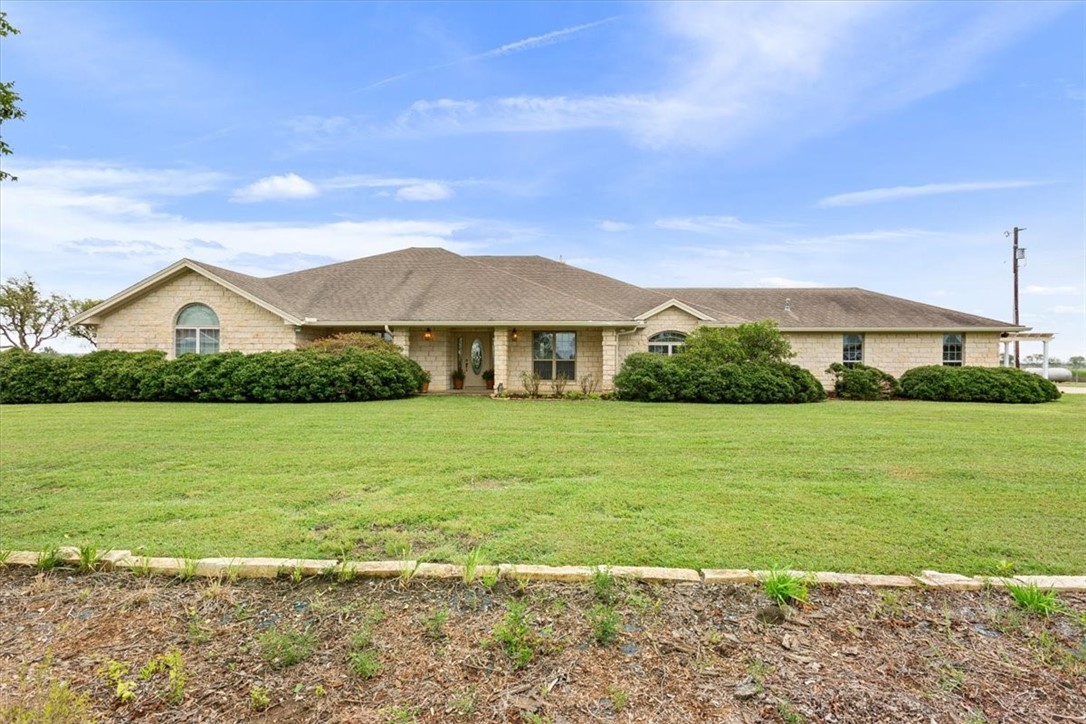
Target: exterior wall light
x,y
428,335
514,334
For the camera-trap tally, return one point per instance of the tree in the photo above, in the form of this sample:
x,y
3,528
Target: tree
x,y
9,99
757,342
1078,361
29,318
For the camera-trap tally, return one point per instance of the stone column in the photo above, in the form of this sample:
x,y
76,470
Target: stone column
x,y
1044,362
610,355
501,358
401,336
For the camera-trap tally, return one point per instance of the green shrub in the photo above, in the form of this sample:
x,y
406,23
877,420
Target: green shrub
x,y
756,342
647,377
861,382
350,374
976,384
350,340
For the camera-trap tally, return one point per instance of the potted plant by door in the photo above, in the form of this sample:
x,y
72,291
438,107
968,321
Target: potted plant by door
x,y
458,379
424,381
488,376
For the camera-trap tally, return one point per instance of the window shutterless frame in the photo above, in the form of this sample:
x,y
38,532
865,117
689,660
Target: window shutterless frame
x,y
852,349
667,343
196,330
553,354
953,350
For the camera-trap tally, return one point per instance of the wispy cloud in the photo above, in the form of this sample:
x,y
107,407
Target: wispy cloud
x,y
1066,309
896,193
704,224
276,188
292,186
613,226
788,71
1050,291
517,46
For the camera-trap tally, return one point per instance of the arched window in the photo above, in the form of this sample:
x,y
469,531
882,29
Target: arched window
x,y
667,343
196,330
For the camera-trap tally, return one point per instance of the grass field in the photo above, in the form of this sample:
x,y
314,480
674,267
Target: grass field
x,y
880,487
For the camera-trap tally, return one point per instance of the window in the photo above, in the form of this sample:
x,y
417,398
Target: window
x,y
196,331
668,343
554,353
852,350
953,349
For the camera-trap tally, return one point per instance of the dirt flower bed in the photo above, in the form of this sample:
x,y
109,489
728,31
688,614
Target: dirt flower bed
x,y
120,647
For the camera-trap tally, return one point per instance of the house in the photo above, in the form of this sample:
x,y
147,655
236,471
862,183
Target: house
x,y
515,314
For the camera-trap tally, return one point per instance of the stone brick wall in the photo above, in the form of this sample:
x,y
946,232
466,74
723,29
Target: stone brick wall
x,y
433,355
672,319
893,352
148,322
589,357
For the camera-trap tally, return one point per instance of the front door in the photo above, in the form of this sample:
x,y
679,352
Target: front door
x,y
473,353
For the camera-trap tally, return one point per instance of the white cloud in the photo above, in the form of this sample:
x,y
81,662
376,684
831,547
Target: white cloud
x,y
895,193
1065,309
787,283
1048,291
427,191
613,226
786,71
704,224
106,240
274,188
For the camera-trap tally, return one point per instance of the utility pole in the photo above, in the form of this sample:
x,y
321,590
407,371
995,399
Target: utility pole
x,y
1015,256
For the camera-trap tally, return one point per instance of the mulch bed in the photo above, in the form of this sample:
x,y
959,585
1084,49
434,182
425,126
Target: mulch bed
x,y
683,653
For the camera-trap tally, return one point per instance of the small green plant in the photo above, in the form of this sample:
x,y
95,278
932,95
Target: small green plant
x,y
515,635
605,624
464,702
471,562
619,698
364,663
142,567
88,559
115,671
171,664
490,578
186,569
259,699
4,555
603,585
283,649
398,714
362,655
49,559
199,633
1004,568
1029,597
531,382
785,588
55,703
788,714
889,605
435,624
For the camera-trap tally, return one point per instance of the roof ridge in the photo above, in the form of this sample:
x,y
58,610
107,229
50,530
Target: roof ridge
x,y
618,315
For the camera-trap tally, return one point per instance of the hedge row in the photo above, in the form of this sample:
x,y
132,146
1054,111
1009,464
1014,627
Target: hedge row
x,y
861,382
297,376
976,384
683,377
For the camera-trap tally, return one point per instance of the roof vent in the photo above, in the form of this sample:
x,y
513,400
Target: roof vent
x,y
788,304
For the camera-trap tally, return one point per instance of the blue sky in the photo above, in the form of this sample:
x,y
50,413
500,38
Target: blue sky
x,y
887,146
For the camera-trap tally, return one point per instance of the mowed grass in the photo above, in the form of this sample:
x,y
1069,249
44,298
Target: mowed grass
x,y
882,487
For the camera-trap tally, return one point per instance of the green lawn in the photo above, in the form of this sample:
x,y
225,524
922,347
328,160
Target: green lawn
x,y
881,487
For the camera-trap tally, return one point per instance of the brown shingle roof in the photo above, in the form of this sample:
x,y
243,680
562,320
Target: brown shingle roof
x,y
418,284
844,308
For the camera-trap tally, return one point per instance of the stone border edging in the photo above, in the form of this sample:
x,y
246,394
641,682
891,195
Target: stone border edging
x,y
307,567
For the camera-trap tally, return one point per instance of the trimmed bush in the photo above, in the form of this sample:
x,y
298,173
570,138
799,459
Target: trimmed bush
x,y
350,340
647,377
350,374
976,384
861,382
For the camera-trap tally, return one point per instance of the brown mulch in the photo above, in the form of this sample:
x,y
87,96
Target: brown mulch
x,y
684,653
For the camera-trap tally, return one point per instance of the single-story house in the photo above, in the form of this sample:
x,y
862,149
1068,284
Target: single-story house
x,y
514,314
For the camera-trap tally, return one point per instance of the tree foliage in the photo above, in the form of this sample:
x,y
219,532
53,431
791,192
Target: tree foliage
x,y
756,342
29,317
9,99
